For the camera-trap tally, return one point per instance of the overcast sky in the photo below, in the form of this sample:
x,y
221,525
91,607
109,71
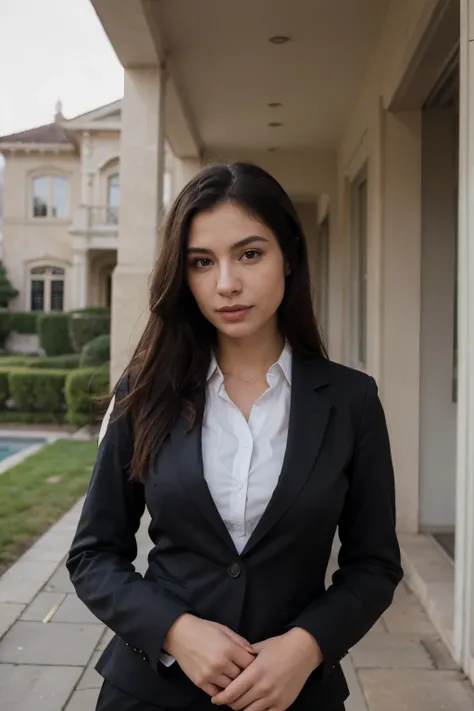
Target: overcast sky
x,y
50,50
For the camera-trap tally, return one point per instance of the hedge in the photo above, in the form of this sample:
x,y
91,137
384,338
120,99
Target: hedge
x,y
64,362
101,310
32,418
96,352
5,325
83,390
4,387
16,361
84,328
69,361
24,321
36,390
53,329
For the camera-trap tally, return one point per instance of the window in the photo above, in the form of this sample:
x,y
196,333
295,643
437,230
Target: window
x,y
50,196
359,271
113,198
47,289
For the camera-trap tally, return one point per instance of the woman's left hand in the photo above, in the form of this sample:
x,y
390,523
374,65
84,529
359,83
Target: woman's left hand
x,y
276,676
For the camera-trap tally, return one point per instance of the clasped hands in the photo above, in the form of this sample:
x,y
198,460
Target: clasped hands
x,y
258,677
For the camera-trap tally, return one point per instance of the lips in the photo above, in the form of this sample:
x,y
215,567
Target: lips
x,y
231,309
235,313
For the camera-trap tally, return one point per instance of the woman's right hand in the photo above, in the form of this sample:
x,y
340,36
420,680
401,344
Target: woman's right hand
x,y
209,653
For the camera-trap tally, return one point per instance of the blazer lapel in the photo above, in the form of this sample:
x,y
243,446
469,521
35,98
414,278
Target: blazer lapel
x,y
187,450
309,416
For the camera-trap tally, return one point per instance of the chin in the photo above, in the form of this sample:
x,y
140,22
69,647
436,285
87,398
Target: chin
x,y
238,330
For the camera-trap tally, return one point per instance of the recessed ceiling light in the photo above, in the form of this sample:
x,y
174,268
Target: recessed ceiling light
x,y
274,104
279,39
275,124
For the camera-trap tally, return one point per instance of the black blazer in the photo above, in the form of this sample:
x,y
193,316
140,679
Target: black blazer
x,y
337,472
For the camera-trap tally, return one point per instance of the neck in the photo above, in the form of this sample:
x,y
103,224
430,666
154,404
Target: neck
x,y
252,356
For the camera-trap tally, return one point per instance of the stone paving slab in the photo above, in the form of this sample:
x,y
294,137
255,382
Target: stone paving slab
x,y
59,582
356,701
73,610
91,679
416,690
56,643
43,603
37,688
9,612
24,580
407,617
439,654
63,607
391,651
83,700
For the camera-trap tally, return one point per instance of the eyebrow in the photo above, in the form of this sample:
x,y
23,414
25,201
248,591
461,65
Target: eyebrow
x,y
241,243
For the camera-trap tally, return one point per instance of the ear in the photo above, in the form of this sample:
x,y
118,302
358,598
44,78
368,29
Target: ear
x,y
287,269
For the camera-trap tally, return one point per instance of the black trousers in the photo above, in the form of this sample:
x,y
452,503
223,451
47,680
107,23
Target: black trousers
x,y
113,699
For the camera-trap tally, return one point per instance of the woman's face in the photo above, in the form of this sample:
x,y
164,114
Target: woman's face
x,y
236,270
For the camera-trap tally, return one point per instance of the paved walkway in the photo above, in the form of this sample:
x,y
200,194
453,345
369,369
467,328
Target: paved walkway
x,y
49,643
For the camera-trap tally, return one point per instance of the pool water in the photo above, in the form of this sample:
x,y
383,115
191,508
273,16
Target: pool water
x,y
13,445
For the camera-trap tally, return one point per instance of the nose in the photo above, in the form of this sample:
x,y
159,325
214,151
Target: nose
x,y
229,282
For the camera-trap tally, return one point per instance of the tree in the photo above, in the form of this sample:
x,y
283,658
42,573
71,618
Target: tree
x,y
7,290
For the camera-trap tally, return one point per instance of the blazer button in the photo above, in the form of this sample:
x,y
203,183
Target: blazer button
x,y
233,570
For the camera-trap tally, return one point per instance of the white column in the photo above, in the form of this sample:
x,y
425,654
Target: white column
x,y
400,254
142,163
183,170
86,172
80,278
464,570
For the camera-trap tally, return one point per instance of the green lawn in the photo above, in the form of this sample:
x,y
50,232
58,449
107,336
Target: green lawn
x,y
36,492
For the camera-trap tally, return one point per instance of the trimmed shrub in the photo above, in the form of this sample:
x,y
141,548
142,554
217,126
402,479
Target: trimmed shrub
x,y
7,290
59,362
16,361
96,352
83,389
36,390
24,321
53,329
5,326
84,328
88,310
4,387
33,418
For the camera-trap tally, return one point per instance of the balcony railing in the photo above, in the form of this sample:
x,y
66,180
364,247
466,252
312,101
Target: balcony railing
x,y
102,216
102,219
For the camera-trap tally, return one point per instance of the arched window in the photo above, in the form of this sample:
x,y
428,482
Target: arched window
x,y
47,288
50,196
113,198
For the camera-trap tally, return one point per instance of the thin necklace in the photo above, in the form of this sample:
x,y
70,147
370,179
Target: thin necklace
x,y
238,377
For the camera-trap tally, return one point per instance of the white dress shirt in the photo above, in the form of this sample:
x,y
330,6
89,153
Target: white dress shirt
x,y
242,459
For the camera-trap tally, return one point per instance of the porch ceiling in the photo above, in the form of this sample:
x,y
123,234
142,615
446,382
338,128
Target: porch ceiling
x,y
227,71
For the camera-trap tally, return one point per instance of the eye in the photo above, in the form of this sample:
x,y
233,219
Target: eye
x,y
201,263
251,255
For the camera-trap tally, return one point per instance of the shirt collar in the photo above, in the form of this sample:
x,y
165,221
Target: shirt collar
x,y
284,364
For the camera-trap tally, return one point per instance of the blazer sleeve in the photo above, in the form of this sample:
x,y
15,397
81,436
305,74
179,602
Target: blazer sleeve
x,y
100,559
369,557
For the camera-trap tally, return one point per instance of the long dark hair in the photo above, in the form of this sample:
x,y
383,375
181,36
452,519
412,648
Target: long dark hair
x,y
167,373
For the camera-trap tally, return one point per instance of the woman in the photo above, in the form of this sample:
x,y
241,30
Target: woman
x,y
249,448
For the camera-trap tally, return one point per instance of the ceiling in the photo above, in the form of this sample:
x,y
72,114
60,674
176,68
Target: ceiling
x,y
227,71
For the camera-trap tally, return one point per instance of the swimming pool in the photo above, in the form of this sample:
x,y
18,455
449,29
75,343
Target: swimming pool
x,y
13,445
